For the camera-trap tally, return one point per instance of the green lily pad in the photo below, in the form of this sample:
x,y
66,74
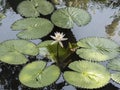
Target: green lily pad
x,y
37,75
13,51
116,77
43,6
33,8
27,9
114,64
87,75
33,28
97,49
66,17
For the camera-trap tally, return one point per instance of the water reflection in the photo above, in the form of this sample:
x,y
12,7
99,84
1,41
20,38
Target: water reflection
x,y
113,27
97,25
3,5
85,3
5,30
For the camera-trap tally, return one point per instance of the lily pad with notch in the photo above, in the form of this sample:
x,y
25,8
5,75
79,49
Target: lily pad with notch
x,y
97,49
33,8
14,51
37,75
86,74
32,28
67,17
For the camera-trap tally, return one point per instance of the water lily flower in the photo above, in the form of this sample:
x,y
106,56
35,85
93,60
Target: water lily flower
x,y
59,37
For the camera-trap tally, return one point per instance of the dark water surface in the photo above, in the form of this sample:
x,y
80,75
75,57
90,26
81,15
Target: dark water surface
x,y
105,23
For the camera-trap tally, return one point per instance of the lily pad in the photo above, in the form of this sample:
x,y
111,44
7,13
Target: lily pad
x,y
33,28
33,8
97,49
87,75
37,75
14,51
116,77
114,64
43,6
66,17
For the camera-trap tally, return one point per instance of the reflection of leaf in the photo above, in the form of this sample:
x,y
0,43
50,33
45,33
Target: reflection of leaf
x,y
97,49
116,77
66,17
110,29
77,3
36,74
34,7
87,75
12,51
33,28
114,64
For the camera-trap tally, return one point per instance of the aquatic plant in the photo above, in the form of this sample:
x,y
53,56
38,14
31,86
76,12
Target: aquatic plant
x,y
67,17
14,51
33,8
114,64
37,75
97,49
58,38
54,52
116,77
32,28
87,74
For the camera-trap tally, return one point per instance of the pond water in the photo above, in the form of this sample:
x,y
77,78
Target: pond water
x,y
105,22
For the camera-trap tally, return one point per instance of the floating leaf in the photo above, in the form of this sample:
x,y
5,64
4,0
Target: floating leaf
x,y
116,77
33,8
114,64
97,49
27,9
66,17
33,28
36,74
12,51
44,7
53,52
87,75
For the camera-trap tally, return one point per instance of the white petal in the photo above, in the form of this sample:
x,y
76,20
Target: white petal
x,y
53,42
53,37
61,44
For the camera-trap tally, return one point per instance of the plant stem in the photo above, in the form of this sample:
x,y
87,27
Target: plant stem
x,y
58,53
